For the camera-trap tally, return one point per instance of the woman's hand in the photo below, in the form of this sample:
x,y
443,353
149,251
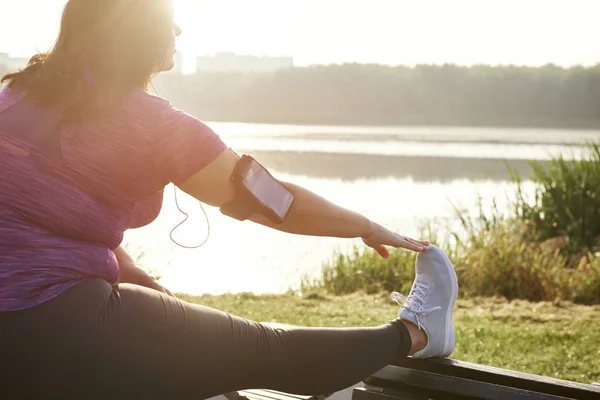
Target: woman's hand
x,y
380,237
129,273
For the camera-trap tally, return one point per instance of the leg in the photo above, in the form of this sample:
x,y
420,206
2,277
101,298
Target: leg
x,y
97,341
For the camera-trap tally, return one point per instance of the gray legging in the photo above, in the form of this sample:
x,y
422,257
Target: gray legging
x,y
107,342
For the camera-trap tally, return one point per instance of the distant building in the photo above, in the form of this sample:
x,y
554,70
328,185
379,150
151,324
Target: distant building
x,y
243,63
13,64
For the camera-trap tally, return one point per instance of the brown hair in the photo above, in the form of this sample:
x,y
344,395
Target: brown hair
x,y
105,49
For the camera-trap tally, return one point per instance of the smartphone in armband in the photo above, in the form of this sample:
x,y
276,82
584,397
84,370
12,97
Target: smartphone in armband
x,y
258,192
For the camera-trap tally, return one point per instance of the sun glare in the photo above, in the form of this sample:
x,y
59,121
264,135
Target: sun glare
x,y
393,31
336,31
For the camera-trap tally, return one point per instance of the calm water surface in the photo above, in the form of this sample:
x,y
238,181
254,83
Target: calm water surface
x,y
401,177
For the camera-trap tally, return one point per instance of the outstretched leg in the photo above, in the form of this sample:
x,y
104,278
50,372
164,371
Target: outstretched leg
x,y
100,341
96,341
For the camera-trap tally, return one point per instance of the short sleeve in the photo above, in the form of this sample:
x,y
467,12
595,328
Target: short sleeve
x,y
183,145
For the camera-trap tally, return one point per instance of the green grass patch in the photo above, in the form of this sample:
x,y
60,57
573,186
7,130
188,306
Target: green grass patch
x,y
558,339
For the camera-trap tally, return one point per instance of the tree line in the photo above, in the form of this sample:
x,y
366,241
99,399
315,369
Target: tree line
x,y
548,96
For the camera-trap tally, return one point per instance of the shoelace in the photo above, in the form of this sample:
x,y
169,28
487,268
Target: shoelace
x,y
414,302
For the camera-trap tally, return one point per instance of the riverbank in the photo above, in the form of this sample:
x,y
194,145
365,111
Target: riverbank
x,y
558,339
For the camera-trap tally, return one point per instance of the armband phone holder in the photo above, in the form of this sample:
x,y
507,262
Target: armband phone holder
x,y
257,192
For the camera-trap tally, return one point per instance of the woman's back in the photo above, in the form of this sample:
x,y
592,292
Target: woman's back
x,y
60,219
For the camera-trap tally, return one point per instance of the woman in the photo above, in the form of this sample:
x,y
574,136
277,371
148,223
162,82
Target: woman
x,y
85,153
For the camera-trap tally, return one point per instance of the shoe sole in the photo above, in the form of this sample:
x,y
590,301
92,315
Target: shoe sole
x,y
449,341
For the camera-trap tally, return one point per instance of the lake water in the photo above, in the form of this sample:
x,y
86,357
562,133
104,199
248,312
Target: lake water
x,y
401,177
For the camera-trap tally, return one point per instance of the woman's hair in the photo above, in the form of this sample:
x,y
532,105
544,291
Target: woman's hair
x,y
105,49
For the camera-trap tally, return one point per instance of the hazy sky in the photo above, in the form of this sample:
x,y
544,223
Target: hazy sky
x,y
529,32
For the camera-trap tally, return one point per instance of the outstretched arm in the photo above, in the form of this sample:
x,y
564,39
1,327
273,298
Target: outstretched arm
x,y
310,214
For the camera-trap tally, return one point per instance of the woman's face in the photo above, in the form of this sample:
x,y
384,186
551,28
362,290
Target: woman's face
x,y
169,61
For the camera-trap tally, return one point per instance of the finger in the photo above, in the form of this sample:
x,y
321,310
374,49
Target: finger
x,y
377,247
419,242
383,251
156,286
407,239
411,240
165,291
412,246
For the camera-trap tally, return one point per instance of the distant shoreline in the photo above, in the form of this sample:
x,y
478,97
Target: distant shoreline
x,y
407,133
350,167
567,126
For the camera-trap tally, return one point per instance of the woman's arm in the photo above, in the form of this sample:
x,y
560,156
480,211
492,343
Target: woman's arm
x,y
310,214
123,257
314,216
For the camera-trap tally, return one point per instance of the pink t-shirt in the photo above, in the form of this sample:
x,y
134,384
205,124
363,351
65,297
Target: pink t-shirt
x,y
60,220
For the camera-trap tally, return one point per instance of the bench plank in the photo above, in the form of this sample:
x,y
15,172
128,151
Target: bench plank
x,y
439,386
367,394
451,373
504,377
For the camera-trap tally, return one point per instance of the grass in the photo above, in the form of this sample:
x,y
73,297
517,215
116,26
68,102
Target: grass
x,y
542,250
498,260
567,201
504,261
558,340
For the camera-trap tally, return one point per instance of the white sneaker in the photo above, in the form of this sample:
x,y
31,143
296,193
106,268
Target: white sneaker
x,y
431,302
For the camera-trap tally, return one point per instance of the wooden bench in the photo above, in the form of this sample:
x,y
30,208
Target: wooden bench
x,y
441,379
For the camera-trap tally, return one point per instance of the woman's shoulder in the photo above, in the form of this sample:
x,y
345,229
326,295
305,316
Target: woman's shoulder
x,y
143,101
142,111
144,106
9,95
